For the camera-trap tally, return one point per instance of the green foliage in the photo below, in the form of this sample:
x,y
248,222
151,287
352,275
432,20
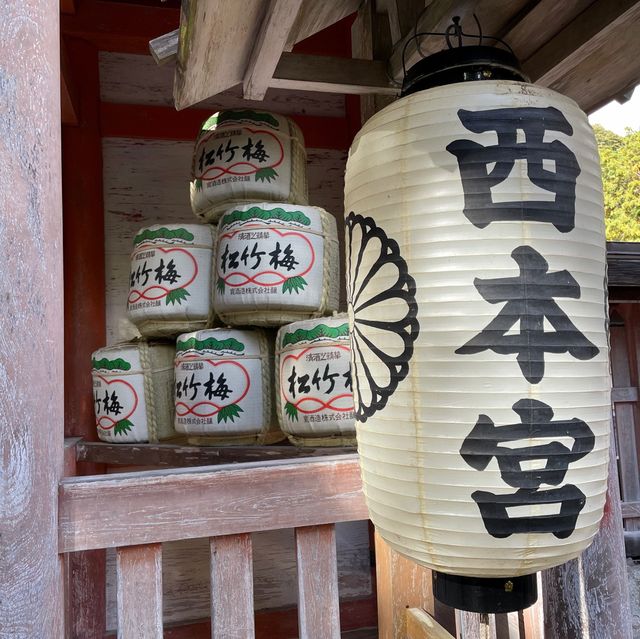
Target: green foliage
x,y
163,233
294,284
238,115
256,213
198,185
210,344
291,411
177,295
229,412
620,162
122,427
267,174
220,285
318,332
110,364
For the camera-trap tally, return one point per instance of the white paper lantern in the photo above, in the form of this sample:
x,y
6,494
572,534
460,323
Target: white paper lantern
x,y
224,387
133,392
170,285
313,382
276,263
477,297
247,156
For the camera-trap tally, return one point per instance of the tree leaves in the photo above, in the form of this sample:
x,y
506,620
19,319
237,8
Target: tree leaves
x,y
229,412
220,285
294,284
620,162
177,295
291,411
267,174
122,427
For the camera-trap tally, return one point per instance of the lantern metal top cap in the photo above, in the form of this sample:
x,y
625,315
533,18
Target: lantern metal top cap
x,y
460,62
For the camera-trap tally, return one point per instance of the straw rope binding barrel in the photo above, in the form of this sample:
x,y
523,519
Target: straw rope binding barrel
x,y
242,156
314,397
171,279
223,387
276,263
133,392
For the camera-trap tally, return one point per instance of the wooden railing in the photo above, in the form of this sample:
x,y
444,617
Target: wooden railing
x,y
136,512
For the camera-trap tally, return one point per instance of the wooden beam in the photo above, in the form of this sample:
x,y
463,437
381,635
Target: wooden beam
x,y
119,26
164,505
630,509
165,123
624,395
67,6
421,625
577,40
164,48
334,75
175,456
268,47
31,395
69,107
139,592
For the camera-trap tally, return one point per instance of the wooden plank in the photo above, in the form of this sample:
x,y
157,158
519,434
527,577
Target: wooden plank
x,y
67,6
232,587
269,46
630,509
624,395
303,72
318,613
421,625
164,123
402,16
578,39
402,584
162,505
595,581
164,49
472,624
216,38
31,282
139,578
69,106
176,456
531,620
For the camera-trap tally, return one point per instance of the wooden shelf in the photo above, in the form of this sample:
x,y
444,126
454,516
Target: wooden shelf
x,y
178,456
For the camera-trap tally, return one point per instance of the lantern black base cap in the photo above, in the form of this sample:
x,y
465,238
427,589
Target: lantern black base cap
x,y
477,594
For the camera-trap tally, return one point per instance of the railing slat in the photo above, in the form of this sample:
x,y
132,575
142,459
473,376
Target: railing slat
x,y
139,591
232,614
128,509
421,625
318,602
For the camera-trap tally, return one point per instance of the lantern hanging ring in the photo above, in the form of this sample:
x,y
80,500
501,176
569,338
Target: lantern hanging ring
x,y
454,30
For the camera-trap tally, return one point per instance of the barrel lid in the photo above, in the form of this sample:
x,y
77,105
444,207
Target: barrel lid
x,y
185,234
227,343
315,331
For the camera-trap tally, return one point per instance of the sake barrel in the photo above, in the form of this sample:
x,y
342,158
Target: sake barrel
x,y
477,296
276,263
170,282
133,392
247,156
224,387
314,396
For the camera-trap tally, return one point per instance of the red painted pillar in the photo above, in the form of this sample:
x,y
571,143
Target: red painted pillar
x,y
31,320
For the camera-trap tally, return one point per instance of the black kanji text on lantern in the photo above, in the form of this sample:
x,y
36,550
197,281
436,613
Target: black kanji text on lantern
x,y
529,300
484,167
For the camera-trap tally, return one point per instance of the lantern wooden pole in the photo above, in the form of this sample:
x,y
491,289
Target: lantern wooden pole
x,y
589,596
31,321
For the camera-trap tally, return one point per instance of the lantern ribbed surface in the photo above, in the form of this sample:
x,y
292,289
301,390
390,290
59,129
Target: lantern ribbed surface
x,y
223,387
133,392
477,298
170,283
245,155
314,396
276,263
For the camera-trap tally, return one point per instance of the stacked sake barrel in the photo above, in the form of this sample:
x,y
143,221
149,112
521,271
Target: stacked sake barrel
x,y
261,258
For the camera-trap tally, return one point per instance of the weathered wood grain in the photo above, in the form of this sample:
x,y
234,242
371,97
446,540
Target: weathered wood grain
x,y
164,48
232,587
31,284
164,505
139,578
136,79
318,612
315,16
402,584
630,509
589,596
475,625
268,47
421,625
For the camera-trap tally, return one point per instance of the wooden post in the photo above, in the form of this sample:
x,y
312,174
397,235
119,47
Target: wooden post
x,y
589,596
31,321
